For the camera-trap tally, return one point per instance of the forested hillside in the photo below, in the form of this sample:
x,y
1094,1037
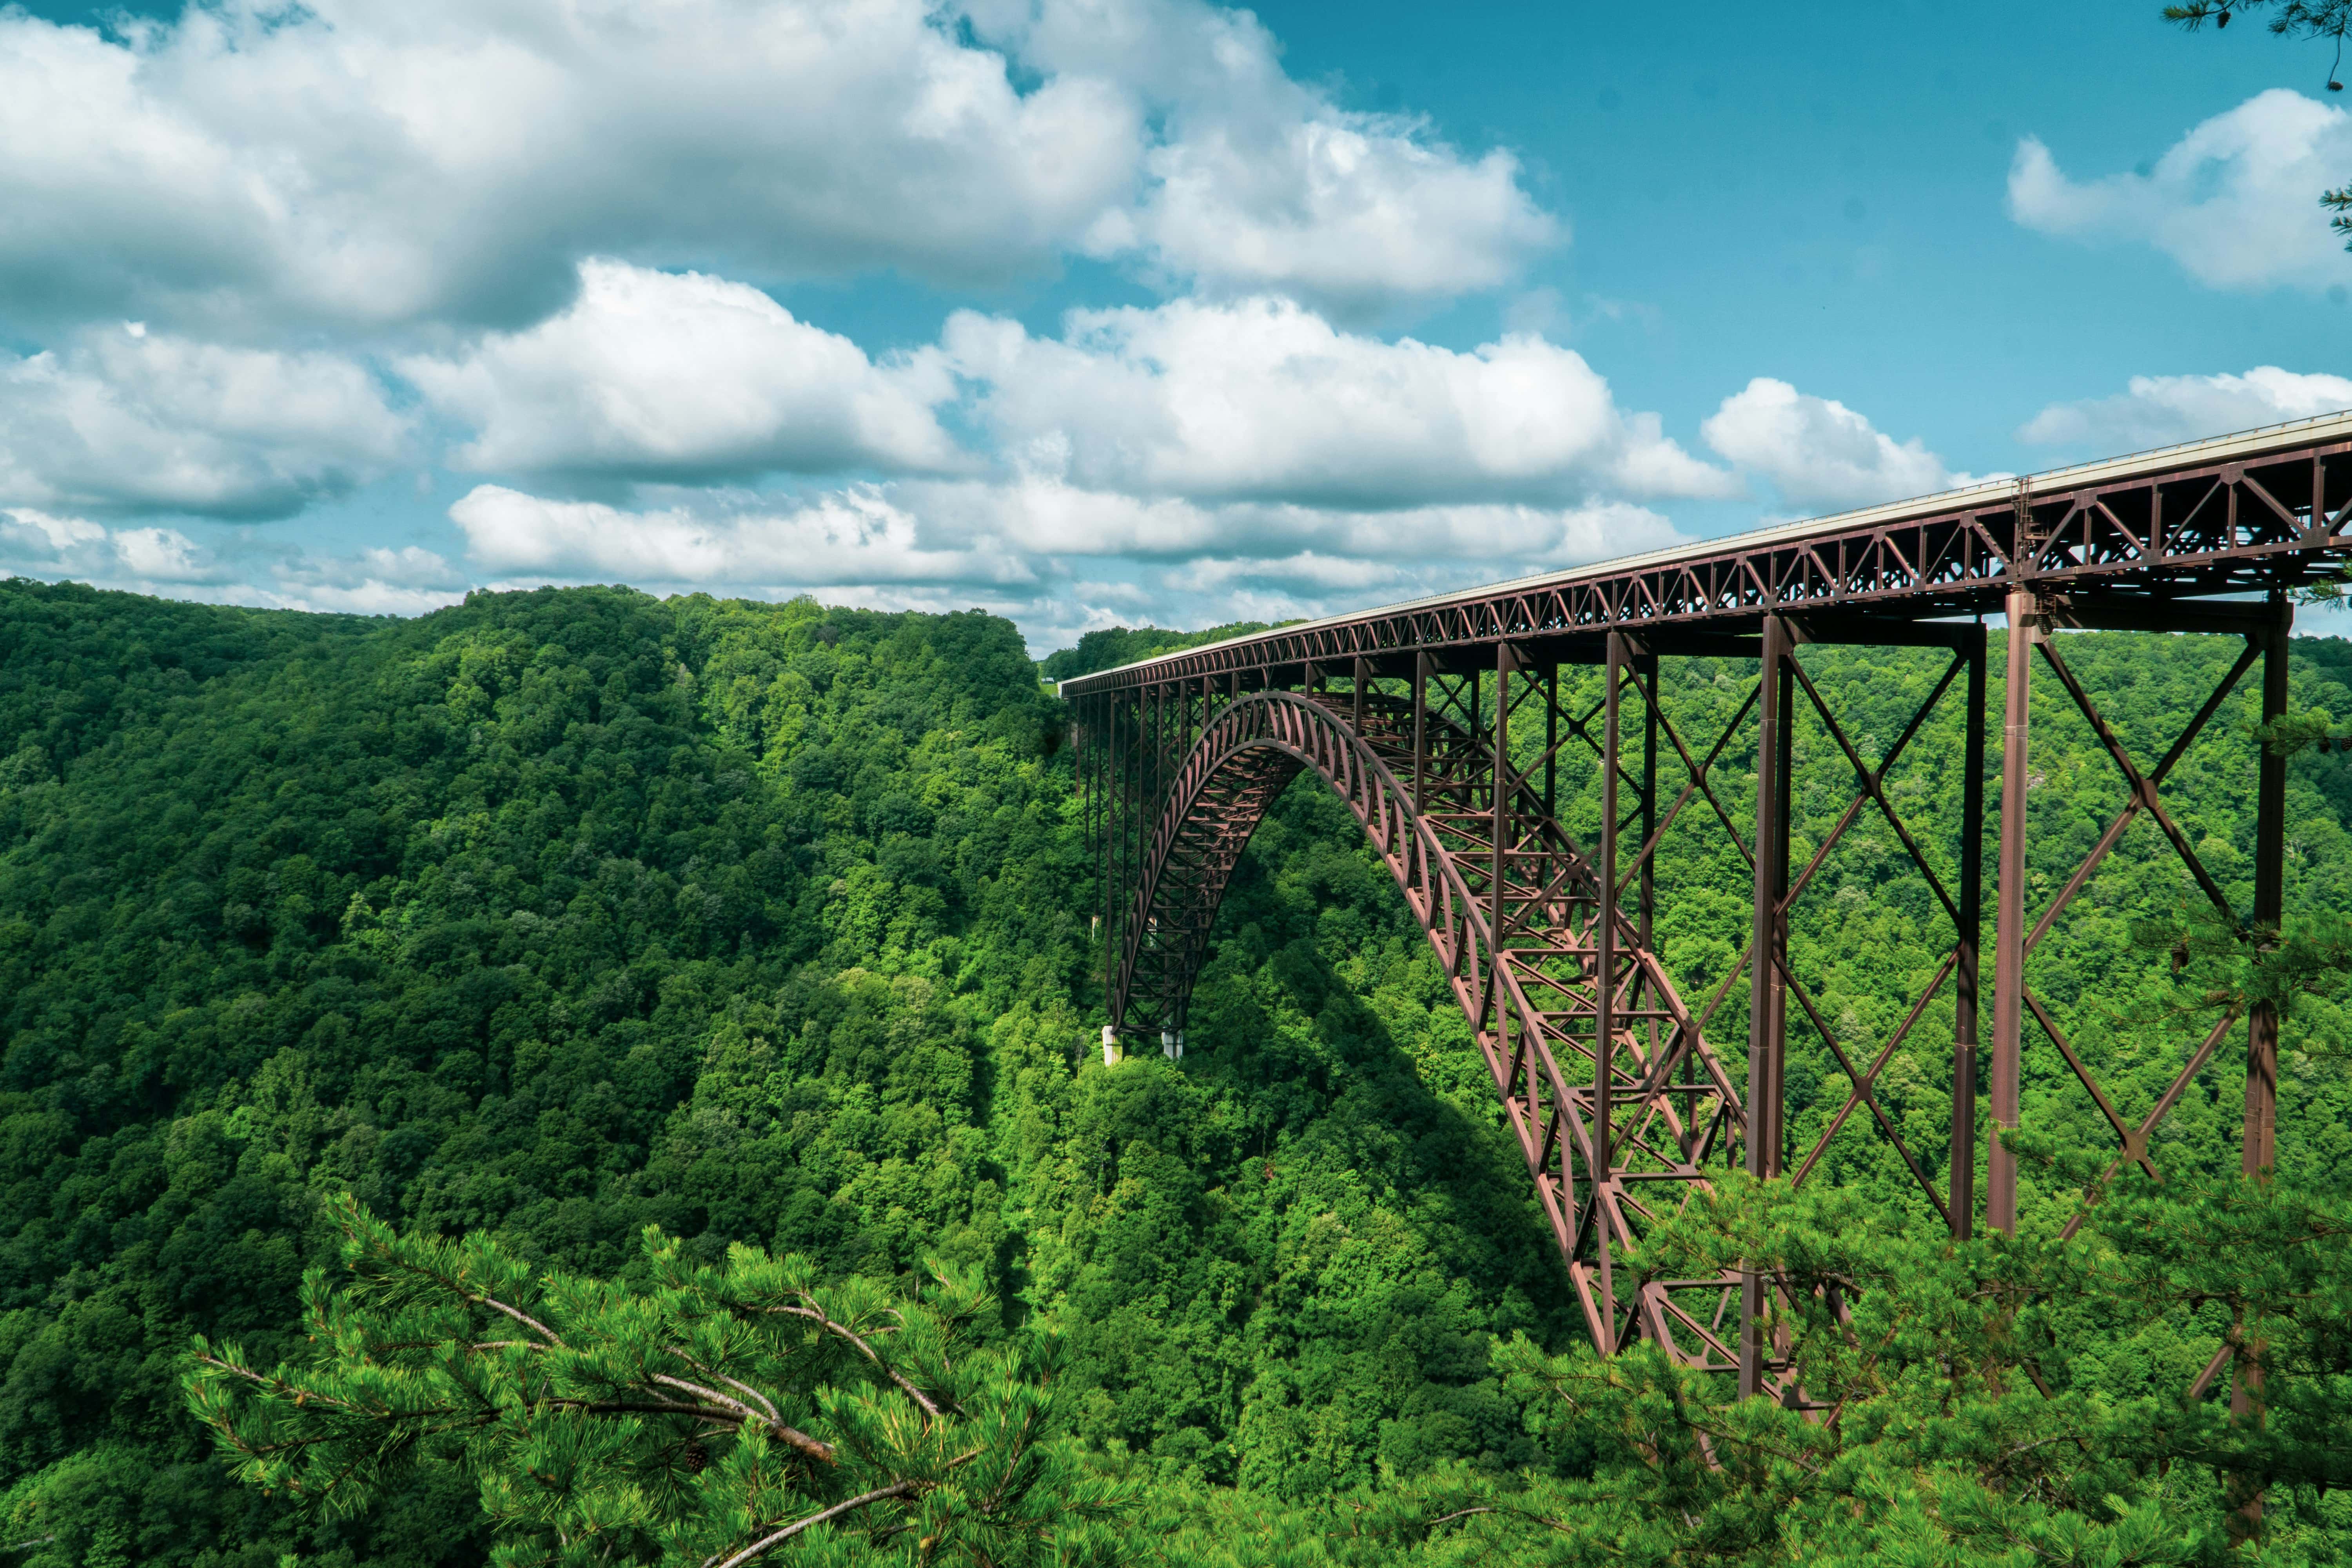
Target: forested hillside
x,y
561,914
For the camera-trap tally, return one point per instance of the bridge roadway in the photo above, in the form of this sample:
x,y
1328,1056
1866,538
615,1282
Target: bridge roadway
x,y
1441,725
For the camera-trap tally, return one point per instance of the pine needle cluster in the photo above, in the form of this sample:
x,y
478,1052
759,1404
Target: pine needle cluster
x,y
709,1417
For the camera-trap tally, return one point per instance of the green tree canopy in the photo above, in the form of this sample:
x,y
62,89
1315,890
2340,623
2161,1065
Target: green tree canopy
x,y
714,1415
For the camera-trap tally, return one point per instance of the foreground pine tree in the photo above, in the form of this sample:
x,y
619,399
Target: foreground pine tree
x,y
709,1417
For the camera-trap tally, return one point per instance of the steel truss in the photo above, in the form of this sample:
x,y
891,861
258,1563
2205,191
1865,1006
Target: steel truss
x,y
1443,728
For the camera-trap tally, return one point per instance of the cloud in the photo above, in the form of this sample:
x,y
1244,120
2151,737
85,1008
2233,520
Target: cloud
x,y
1261,399
256,169
167,562
376,160
1817,452
377,581
127,420
854,536
1045,517
146,558
2161,410
1358,214
654,375
1255,183
1014,545
1275,564
2235,201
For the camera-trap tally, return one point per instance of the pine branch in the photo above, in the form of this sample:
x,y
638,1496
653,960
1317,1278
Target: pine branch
x,y
768,1543
744,1413
817,1315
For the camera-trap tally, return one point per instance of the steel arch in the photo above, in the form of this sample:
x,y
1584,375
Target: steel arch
x,y
1533,998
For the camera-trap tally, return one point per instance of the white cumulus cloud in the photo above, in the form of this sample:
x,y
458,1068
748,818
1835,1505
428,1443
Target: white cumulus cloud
x,y
1256,183
253,167
237,570
684,376
1262,399
849,537
2161,410
147,559
408,581
1016,544
1358,213
2235,201
1045,517
130,420
388,160
1818,452
1253,561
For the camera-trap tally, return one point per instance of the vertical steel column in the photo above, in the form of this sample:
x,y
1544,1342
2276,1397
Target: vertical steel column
x,y
1604,989
1083,761
1765,1044
1147,792
1501,804
1551,737
2260,1150
1604,916
1099,783
1420,731
1646,894
1160,727
1785,795
1115,823
2008,918
1649,796
1475,707
1963,1173
1363,679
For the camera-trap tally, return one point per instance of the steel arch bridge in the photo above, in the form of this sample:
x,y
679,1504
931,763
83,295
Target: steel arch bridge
x,y
1441,725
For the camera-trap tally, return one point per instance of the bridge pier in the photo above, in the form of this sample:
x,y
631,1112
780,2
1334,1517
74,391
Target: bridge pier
x,y
1768,955
1962,1170
2024,610
2259,1143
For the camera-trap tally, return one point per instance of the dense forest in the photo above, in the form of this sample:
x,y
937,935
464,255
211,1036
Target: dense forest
x,y
558,915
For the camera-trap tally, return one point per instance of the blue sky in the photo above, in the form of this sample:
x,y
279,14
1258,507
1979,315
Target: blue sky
x,y
1097,310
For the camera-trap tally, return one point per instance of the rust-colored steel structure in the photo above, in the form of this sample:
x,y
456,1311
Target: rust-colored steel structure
x,y
1441,725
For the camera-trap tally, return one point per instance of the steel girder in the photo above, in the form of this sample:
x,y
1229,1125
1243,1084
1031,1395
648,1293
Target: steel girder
x,y
2143,537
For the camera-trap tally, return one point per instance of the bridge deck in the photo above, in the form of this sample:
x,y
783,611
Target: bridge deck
x,y
2131,541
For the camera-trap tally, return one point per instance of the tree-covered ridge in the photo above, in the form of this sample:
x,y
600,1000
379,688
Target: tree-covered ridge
x,y
557,914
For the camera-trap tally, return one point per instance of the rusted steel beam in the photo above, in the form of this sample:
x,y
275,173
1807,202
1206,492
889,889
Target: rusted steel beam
x,y
1605,963
2008,918
1962,1172
2258,1147
1766,1043
2114,612
1604,1021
